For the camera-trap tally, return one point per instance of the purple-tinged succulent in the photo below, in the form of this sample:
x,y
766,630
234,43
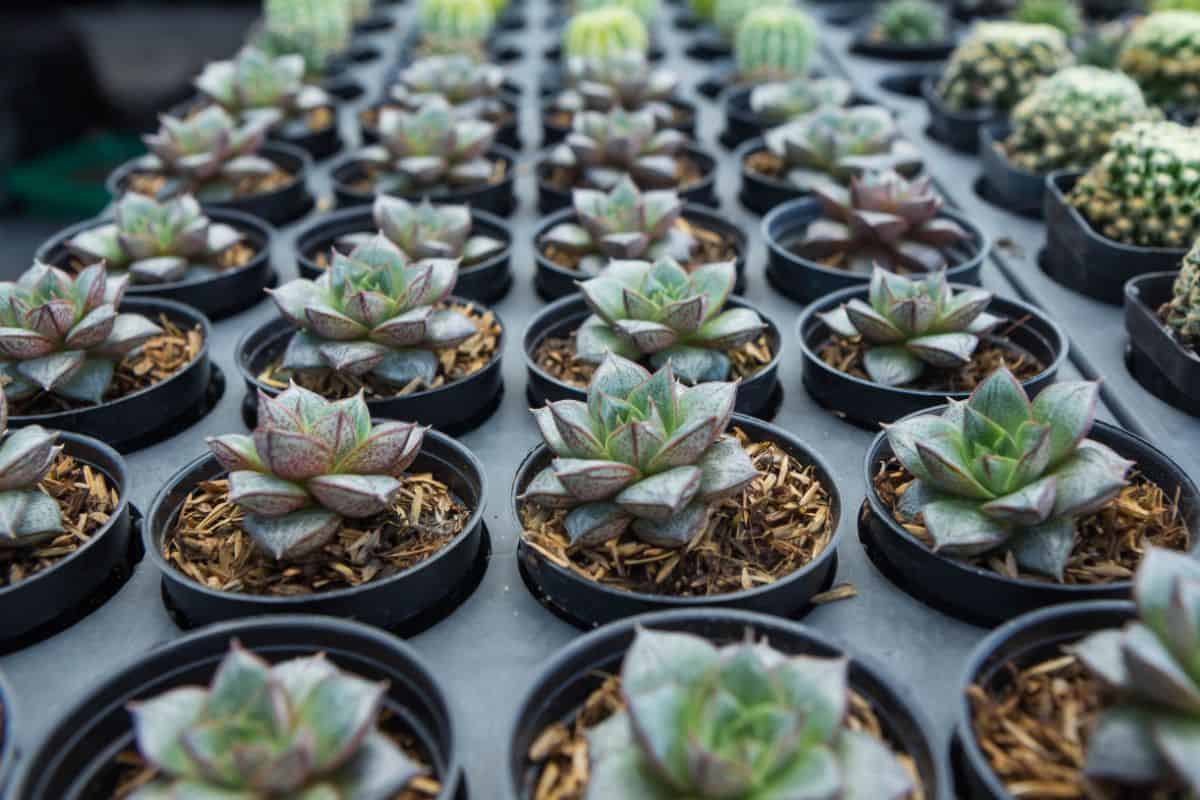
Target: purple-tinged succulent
x,y
255,85
605,146
310,464
473,89
426,230
620,80
28,516
299,729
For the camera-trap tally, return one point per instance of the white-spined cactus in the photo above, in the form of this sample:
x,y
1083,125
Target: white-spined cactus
x,y
605,146
206,153
256,85
426,230
28,516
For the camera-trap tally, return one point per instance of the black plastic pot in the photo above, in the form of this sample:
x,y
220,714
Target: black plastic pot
x,y
345,88
553,53
454,408
908,82
1164,366
1003,184
318,144
497,198
152,414
708,45
956,129
356,55
510,19
8,734
216,296
77,759
376,23
868,404
507,135
586,603
560,688
719,80
983,597
758,396
553,133
485,282
686,21
1023,642
1086,261
284,205
847,13
864,45
805,280
759,193
742,123
553,281
407,602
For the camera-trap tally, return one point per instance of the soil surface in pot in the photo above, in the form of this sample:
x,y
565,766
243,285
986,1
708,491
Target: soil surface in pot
x,y
774,527
152,363
688,173
1109,543
709,247
453,365
1190,345
365,175
321,254
87,500
564,118
369,117
235,257
208,544
152,183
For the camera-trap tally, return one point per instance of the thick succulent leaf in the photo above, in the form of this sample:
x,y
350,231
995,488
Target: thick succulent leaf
x,y
595,340
944,350
402,367
235,451
661,496
574,425
904,435
617,377
1156,674
725,469
715,399
293,298
635,443
339,713
1069,408
159,722
1033,443
693,364
292,455
329,323
1121,748
605,296
959,528
714,281
965,306
303,351
1102,654
378,769
946,467
730,329
1089,479
595,523
52,319
265,494
25,457
655,716
1001,399
27,517
128,332
873,326
92,330
617,764
677,531
685,444
293,535
590,480
1178,741
355,496
717,774
353,358
1045,548
547,491
52,370
405,330
21,344
1155,581
388,449
892,365
160,269
90,382
813,775
1029,505
648,337
550,435
658,658
870,770
242,685
839,322
443,274
448,328
98,243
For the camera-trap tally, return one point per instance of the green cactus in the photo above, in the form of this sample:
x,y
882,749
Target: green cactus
x,y
1183,310
910,22
728,14
316,30
455,26
605,32
775,43
647,10
1062,14
999,64
1162,54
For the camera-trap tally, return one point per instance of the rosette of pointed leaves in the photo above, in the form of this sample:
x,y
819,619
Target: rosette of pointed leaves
x,y
423,149
300,729
28,516
1148,737
780,101
909,324
256,85
623,223
425,230
472,88
310,464
997,471
607,146
644,453
882,219
156,242
373,312
621,80
62,334
738,722
205,152
663,313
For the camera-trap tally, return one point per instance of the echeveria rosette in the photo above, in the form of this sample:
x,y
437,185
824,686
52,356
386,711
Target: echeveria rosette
x,y
28,516
620,80
156,242
644,453
661,312
606,146
300,729
997,471
373,312
779,101
1150,736
62,334
910,324
427,230
205,152
736,722
256,85
473,89
310,464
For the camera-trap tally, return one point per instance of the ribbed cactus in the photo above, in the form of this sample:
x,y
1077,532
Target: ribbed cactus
x,y
728,14
605,32
1163,55
1183,311
455,26
999,64
647,10
775,43
910,22
316,30
1062,14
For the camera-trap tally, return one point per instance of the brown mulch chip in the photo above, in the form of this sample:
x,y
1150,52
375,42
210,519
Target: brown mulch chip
x,y
709,247
764,162
775,526
151,183
364,183
687,174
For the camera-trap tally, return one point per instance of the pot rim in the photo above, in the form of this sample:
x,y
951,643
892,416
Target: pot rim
x,y
1133,295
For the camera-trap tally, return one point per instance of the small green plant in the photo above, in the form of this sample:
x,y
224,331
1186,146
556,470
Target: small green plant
x,y
455,26
206,154
426,230
472,88
1183,310
28,516
910,22
781,101
1062,14
999,64
605,147
728,14
257,85
647,10
774,42
315,30
1161,54
625,80
605,32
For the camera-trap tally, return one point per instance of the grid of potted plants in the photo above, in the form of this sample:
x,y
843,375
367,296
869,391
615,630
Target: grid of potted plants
x,y
359,165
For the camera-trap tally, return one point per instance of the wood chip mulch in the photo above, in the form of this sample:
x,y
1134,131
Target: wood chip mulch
x,y
453,365
87,501
777,525
687,174
208,544
1109,543
151,183
367,174
765,163
710,247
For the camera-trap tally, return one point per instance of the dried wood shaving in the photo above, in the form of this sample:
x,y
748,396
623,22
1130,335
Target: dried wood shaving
x,y
843,591
153,183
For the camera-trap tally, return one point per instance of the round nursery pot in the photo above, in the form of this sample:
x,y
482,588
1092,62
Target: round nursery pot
x,y
558,692
742,123
684,120
956,129
1023,642
586,603
553,281
805,280
1002,183
908,82
279,207
318,144
485,282
1161,363
454,408
507,135
497,198
869,404
1086,261
77,759
655,52
216,295
758,193
757,396
981,596
152,414
847,13
864,44
702,192
408,601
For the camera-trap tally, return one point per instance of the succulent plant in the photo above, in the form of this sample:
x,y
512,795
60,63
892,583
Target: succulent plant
x,y
910,324
647,10
301,728
256,85
425,230
882,219
28,516
472,88
625,80
1148,736
62,334
605,146
910,22
604,32
644,453
774,42
315,30
728,14
660,312
1182,311
1145,190
780,101
373,312
833,145
455,26
999,63
1069,118
421,150
156,242
737,722
997,471
1062,14
1162,55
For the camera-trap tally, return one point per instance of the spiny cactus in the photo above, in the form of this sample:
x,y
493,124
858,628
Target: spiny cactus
x,y
62,334
647,10
1183,309
28,516
999,64
780,101
472,88
604,32
774,42
455,26
625,80
644,453
1162,54
702,10
604,147
255,85
425,230
315,30
910,22
752,721
729,14
1062,14
300,728
206,153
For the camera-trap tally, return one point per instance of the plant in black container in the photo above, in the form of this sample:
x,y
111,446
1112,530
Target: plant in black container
x,y
1158,55
773,42
906,29
454,26
1066,15
596,34
1162,317
750,110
